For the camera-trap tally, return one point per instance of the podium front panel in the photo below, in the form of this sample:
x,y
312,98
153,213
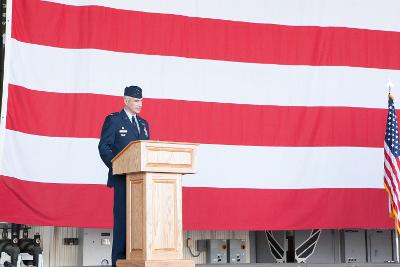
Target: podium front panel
x,y
164,216
135,219
154,225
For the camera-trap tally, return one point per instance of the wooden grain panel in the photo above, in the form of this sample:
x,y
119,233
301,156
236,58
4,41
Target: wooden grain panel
x,y
135,217
164,215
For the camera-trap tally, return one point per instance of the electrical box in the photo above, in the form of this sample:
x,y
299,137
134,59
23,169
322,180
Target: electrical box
x,y
94,247
379,244
354,246
201,245
216,251
236,251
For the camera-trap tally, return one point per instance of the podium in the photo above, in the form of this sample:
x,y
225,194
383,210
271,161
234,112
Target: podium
x,y
154,172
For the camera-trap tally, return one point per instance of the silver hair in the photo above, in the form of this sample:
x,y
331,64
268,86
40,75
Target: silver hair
x,y
127,98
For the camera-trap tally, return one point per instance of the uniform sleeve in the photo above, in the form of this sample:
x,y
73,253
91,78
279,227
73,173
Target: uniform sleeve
x,y
107,140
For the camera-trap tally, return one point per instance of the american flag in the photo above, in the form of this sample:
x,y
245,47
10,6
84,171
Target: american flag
x,y
392,163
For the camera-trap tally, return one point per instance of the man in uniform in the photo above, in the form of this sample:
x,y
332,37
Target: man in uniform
x,y
119,129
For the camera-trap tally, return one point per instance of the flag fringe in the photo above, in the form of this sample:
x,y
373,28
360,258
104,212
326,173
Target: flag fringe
x,y
393,214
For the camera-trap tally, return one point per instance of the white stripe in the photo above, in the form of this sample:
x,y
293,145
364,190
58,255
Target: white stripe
x,y
394,196
104,72
393,173
394,191
287,167
76,160
6,76
379,15
394,163
53,159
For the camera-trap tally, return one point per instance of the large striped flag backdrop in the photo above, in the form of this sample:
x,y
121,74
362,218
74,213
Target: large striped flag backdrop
x,y
287,99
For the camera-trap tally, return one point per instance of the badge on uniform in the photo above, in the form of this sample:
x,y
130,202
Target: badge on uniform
x,y
145,130
123,131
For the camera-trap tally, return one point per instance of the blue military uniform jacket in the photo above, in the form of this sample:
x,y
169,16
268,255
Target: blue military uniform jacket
x,y
117,132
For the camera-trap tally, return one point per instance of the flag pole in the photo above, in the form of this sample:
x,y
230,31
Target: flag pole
x,y
397,245
390,85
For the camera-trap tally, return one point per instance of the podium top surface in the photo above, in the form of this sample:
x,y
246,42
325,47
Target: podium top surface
x,y
151,142
156,156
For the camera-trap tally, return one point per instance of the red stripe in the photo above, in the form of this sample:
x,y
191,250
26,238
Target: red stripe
x,y
174,35
55,204
397,162
391,178
392,161
82,115
388,189
391,199
230,209
258,209
392,188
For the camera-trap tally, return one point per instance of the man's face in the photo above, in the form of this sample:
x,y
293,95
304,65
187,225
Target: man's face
x,y
134,105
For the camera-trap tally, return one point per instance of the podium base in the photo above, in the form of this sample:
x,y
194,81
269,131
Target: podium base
x,y
155,263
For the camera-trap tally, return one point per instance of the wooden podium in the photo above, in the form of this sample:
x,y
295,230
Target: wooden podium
x,y
154,201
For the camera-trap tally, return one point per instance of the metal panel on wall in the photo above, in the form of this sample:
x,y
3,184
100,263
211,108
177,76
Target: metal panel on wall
x,y
326,245
202,235
236,251
264,254
62,254
94,247
380,246
354,245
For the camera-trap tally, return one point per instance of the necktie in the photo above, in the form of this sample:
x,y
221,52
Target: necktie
x,y
135,123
